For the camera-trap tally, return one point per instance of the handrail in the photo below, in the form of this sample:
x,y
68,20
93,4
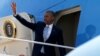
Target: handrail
x,y
36,42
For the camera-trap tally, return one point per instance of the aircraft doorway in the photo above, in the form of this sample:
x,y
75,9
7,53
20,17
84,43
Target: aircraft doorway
x,y
68,21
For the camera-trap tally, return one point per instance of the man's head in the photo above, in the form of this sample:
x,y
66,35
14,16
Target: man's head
x,y
49,17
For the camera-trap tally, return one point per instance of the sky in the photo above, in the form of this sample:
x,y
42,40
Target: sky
x,y
34,7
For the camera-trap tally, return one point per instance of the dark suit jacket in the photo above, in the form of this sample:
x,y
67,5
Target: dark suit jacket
x,y
55,37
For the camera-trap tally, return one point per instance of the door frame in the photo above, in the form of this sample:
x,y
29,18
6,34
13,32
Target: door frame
x,y
65,12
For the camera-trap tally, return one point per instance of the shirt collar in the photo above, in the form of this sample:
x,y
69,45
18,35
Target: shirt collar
x,y
50,26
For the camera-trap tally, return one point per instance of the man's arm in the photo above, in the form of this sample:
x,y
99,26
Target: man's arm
x,y
13,6
22,20
25,23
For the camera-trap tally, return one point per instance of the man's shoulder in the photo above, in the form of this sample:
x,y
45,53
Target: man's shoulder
x,y
57,28
40,24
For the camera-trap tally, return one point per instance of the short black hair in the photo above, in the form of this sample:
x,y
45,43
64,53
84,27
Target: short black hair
x,y
52,12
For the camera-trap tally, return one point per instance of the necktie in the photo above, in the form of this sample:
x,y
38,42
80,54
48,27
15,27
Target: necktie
x,y
45,36
46,33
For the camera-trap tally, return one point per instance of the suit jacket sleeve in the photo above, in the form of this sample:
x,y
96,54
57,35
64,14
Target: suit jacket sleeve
x,y
60,42
25,23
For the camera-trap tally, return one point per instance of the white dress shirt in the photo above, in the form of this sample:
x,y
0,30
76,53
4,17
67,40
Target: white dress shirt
x,y
46,34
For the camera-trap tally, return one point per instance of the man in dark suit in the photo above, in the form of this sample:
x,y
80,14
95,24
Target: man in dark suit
x,y
44,32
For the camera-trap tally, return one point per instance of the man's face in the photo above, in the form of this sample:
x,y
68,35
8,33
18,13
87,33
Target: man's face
x,y
48,18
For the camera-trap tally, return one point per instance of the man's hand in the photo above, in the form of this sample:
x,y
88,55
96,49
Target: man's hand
x,y
13,6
